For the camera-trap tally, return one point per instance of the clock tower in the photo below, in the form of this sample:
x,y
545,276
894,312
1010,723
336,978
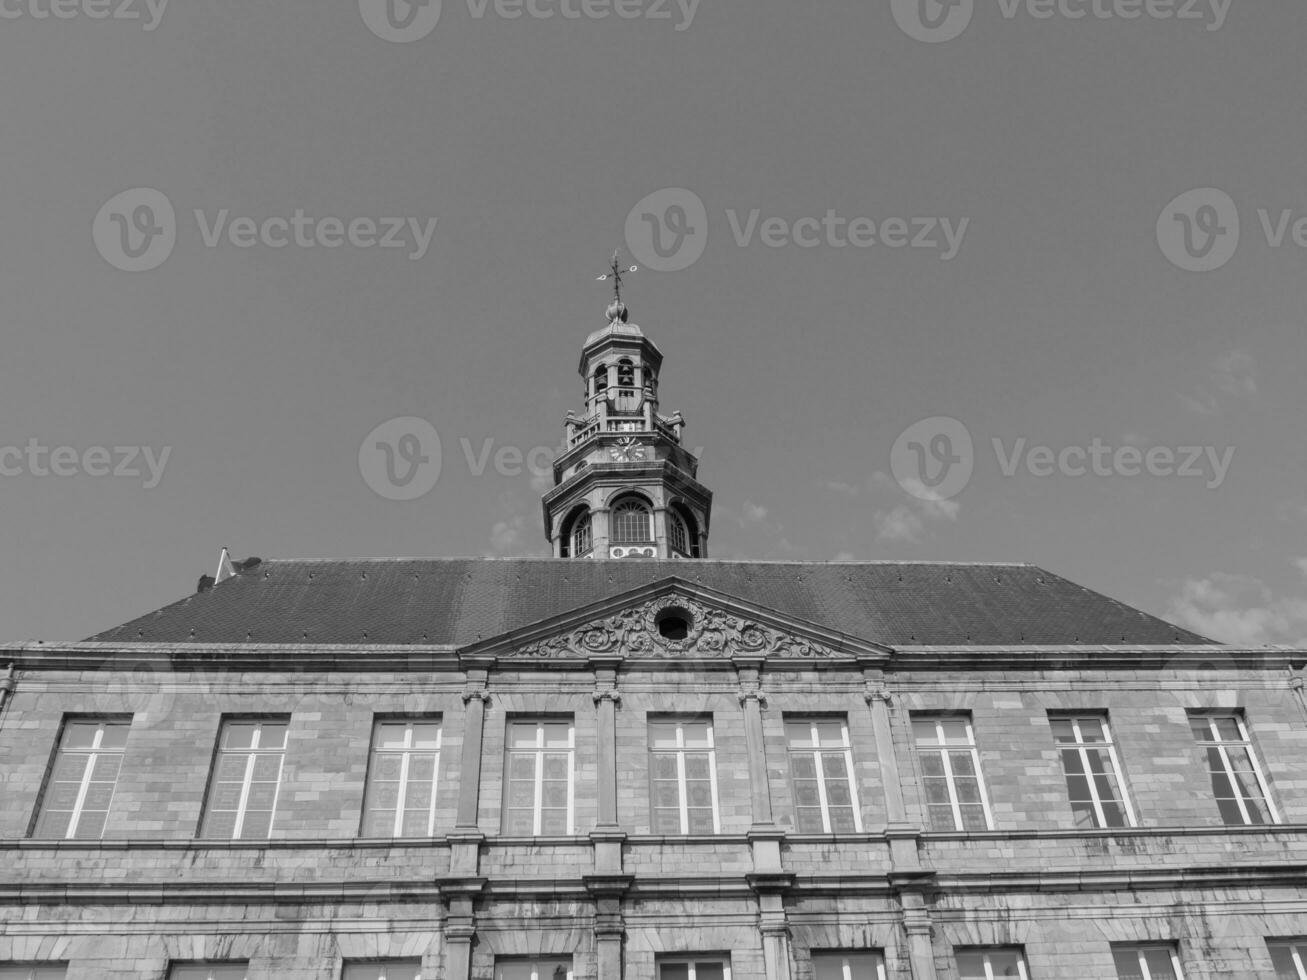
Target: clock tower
x,y
624,487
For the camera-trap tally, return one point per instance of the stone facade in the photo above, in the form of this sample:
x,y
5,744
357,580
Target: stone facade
x,y
613,896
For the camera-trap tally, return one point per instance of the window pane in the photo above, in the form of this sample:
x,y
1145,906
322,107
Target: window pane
x,y
384,970
1282,958
207,971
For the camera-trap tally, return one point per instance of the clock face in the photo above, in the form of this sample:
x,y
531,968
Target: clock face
x,y
627,450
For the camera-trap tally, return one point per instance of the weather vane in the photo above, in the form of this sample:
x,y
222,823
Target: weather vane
x,y
615,273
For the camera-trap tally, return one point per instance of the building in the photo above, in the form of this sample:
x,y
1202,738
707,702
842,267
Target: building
x,y
589,767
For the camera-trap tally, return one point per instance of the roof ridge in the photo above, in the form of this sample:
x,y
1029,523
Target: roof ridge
x,y
691,563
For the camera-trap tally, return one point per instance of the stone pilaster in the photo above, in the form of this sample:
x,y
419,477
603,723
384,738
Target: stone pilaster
x,y
460,924
901,834
466,838
607,836
764,836
609,928
777,952
1296,681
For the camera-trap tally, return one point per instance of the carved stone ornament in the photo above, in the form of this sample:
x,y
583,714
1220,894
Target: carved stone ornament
x,y
712,632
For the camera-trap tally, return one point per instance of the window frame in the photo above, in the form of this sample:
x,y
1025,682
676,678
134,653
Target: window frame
x,y
943,747
680,750
1082,746
1297,949
251,753
539,751
722,959
84,781
1245,742
36,969
349,967
845,968
173,967
535,962
1023,971
630,504
817,751
406,754
1139,949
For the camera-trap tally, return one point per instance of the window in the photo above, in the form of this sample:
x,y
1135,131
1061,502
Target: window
x,y
33,971
601,379
1289,959
1158,962
1237,781
246,773
80,787
384,970
683,772
401,795
515,968
581,536
991,964
682,532
208,971
821,770
950,769
860,965
625,374
632,522
696,968
538,789
1093,772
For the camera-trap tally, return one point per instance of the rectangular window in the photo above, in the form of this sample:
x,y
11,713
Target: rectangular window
x,y
1093,771
383,970
1237,781
401,794
821,770
1155,962
851,965
992,964
33,971
538,785
208,971
246,775
683,772
80,788
694,968
1289,958
525,968
950,769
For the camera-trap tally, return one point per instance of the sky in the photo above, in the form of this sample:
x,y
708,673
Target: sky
x,y
1025,285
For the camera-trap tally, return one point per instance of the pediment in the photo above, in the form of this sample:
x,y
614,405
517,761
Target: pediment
x,y
717,626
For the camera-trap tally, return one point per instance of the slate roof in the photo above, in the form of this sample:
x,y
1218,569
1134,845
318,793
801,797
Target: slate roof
x,y
459,601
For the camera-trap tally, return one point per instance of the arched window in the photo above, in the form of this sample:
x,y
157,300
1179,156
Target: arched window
x,y
625,374
682,533
632,522
601,379
650,381
577,539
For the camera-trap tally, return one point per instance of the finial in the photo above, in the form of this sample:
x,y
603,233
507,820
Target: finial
x,y
616,309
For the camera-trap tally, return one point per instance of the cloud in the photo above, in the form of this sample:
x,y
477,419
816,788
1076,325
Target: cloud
x,y
1233,376
753,513
1241,610
907,521
847,489
506,536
